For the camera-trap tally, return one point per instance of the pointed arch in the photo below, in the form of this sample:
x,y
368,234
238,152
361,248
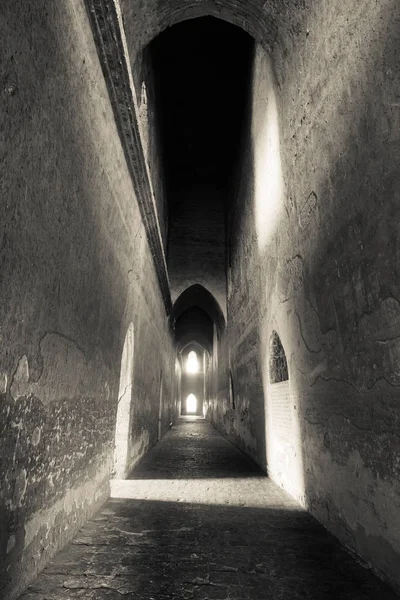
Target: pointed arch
x,y
198,296
278,367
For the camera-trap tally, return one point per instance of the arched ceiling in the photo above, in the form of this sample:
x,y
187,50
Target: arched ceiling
x,y
189,346
267,21
198,296
194,324
124,28
193,317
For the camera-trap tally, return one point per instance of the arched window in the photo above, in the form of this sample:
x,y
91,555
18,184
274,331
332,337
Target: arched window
x,y
192,363
278,369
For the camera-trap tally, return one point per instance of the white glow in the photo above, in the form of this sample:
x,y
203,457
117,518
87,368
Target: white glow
x,y
268,179
122,429
192,363
191,403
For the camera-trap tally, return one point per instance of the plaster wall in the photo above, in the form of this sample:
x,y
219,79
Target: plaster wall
x,y
75,271
315,257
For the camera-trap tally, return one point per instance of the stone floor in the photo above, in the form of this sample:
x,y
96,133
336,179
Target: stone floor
x,y
198,520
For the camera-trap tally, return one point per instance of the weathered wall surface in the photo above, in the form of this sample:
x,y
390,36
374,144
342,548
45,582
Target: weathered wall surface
x,y
315,257
217,405
268,21
316,253
254,250
75,271
145,84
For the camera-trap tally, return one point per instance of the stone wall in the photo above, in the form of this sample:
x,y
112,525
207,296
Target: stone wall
x,y
315,258
315,253
75,272
217,405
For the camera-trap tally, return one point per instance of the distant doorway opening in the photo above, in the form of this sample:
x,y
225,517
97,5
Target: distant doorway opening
x,y
192,359
192,363
191,404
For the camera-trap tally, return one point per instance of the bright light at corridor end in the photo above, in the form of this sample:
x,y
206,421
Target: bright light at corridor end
x,y
191,403
192,363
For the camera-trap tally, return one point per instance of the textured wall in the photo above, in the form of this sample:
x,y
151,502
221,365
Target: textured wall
x,y
315,257
270,22
146,93
217,406
75,271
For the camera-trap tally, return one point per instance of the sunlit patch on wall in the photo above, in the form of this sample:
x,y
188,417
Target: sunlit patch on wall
x,y
268,179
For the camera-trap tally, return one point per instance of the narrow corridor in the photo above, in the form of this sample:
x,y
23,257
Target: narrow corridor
x,y
198,520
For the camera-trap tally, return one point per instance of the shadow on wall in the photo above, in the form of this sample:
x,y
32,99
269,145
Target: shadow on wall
x,y
324,274
57,365
332,289
351,420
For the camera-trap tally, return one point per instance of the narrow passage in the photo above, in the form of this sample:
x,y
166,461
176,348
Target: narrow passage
x,y
197,520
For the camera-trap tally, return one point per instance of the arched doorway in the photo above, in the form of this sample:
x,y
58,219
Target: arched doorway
x,y
123,421
192,358
191,404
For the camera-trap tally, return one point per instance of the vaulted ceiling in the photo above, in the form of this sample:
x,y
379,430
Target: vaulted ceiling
x,y
201,70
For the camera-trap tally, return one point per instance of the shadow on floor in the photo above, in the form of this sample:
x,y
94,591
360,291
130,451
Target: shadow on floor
x,y
193,449
147,550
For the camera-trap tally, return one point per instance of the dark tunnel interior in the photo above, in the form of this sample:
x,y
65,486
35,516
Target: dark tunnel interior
x,y
201,68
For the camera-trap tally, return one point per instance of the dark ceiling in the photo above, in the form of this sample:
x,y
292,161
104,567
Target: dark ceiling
x,y
193,316
202,69
194,325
